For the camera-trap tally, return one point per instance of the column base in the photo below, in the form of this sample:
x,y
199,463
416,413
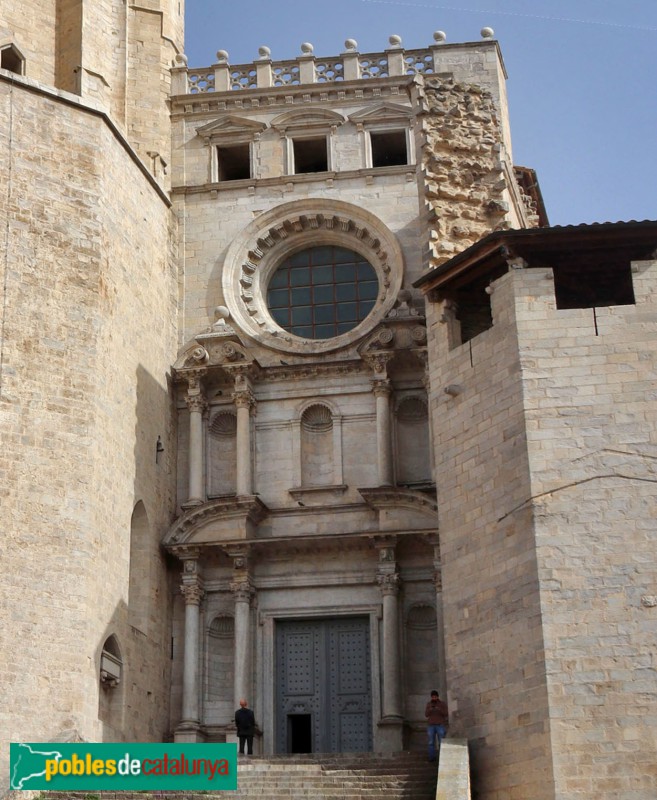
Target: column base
x,y
391,734
188,732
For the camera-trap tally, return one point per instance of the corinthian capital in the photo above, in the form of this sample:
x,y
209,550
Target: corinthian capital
x,y
388,582
193,593
196,402
243,591
244,398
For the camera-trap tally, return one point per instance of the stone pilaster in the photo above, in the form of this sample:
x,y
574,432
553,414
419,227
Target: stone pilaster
x,y
440,622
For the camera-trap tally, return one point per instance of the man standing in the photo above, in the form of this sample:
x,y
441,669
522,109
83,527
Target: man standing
x,y
437,721
245,723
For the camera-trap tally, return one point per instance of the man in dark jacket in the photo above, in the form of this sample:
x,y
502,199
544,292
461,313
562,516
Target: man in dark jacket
x,y
437,722
245,723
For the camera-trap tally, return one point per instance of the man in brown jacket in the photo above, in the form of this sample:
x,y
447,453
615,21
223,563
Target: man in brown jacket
x,y
437,721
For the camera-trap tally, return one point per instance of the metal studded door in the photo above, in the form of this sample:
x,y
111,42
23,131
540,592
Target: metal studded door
x,y
323,686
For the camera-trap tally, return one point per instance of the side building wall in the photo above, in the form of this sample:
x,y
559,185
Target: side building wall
x,y
591,421
496,680
88,324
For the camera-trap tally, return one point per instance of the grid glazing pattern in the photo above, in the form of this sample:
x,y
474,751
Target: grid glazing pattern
x,y
322,292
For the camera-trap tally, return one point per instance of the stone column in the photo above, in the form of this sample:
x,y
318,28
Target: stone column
x,y
382,392
243,593
245,404
192,591
388,580
197,405
382,389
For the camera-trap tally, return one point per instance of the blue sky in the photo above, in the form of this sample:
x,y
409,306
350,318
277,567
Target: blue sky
x,y
582,78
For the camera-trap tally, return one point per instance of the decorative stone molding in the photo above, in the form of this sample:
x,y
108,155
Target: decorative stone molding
x,y
385,497
649,601
242,513
256,253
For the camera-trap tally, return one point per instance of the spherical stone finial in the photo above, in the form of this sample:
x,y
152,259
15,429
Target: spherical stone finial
x,y
487,33
222,56
395,41
439,37
351,45
307,49
181,60
221,312
264,52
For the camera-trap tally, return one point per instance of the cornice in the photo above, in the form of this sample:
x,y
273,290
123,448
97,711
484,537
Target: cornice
x,y
286,96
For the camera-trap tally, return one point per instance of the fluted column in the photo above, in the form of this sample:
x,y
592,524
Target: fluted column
x,y
192,591
197,405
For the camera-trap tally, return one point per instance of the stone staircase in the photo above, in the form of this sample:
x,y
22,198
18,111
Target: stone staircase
x,y
398,776
347,776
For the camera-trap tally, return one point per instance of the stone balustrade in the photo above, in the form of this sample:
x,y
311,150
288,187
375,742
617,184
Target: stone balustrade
x,y
350,65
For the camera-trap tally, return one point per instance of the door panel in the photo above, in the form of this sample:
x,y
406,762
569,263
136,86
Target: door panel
x,y
323,670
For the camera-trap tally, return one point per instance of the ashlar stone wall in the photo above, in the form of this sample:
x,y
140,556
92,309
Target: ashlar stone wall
x,y
591,426
88,333
497,686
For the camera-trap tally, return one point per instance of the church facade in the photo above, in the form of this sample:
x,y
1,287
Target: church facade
x,y
288,361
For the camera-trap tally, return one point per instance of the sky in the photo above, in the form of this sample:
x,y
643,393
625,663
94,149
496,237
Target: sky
x,y
582,78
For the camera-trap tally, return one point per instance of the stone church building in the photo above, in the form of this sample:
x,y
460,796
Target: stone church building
x,y
302,401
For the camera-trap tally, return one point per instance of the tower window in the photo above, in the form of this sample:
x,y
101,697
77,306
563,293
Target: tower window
x,y
12,60
234,162
388,148
310,155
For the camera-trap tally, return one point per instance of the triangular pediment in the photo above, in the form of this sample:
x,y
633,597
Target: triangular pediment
x,y
382,112
230,124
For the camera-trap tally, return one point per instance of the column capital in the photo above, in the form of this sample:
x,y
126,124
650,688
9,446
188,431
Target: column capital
x,y
194,378
192,592
244,398
381,388
243,591
378,361
196,402
389,583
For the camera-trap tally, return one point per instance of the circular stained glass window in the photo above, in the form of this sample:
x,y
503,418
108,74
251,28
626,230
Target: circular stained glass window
x,y
322,292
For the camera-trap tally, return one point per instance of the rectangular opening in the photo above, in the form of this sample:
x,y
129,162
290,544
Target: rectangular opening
x,y
299,733
310,155
234,162
389,148
595,284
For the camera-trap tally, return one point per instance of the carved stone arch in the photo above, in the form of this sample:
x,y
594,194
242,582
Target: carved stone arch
x,y
305,119
317,445
256,253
